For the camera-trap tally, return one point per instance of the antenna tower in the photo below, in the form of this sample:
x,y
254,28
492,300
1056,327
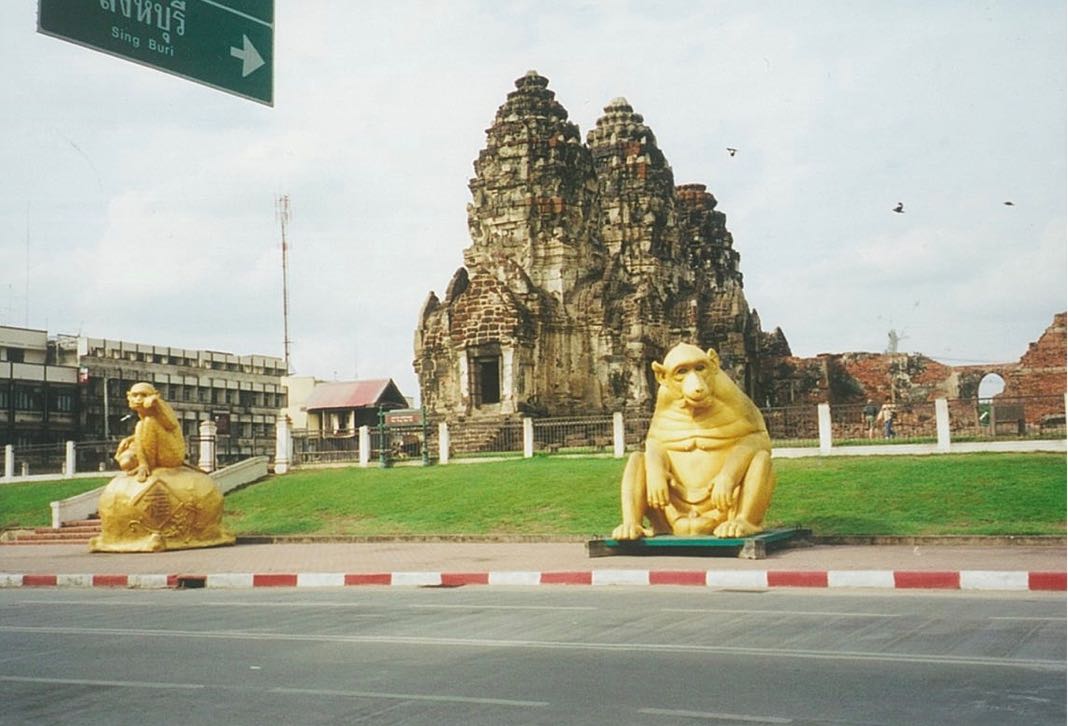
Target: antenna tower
x,y
282,210
27,300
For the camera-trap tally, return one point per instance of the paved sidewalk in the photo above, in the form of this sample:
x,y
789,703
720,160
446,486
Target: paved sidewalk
x,y
1011,567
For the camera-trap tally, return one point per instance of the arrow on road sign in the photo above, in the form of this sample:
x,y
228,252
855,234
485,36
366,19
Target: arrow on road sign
x,y
250,57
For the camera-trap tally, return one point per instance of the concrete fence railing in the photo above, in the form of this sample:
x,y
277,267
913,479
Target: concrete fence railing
x,y
82,506
941,426
1028,424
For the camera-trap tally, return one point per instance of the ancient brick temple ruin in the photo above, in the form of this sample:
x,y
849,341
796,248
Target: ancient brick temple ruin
x,y
586,264
1035,383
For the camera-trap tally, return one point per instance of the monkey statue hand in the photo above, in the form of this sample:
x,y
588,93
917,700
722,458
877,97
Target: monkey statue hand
x,y
142,471
657,492
723,491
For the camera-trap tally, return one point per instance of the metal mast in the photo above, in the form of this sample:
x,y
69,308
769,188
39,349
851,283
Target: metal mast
x,y
282,209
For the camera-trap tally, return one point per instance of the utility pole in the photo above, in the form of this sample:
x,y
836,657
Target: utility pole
x,y
26,322
282,209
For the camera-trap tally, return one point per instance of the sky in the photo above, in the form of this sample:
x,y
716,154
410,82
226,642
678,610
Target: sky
x,y
139,206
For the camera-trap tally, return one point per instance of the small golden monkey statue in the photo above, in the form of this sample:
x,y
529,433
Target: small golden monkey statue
x,y
158,502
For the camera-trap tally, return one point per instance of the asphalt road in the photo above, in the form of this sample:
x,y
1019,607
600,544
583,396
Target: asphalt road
x,y
530,656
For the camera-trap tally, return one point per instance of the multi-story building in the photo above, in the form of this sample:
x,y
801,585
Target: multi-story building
x,y
241,394
39,401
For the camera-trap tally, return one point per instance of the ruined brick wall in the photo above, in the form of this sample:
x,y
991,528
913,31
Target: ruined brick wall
x,y
1041,372
851,378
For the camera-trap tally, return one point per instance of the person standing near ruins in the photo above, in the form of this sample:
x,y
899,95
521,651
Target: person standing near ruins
x,y
886,415
870,411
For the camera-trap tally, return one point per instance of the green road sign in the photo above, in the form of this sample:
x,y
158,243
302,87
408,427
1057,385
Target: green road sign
x,y
225,44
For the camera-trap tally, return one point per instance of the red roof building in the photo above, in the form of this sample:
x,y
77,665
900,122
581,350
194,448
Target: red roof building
x,y
343,407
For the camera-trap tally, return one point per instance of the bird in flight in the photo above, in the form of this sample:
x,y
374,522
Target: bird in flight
x,y
731,151
1009,204
900,208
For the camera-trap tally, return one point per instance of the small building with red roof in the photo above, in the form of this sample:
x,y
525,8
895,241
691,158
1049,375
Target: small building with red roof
x,y
340,408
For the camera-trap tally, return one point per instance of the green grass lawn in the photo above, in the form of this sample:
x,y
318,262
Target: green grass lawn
x,y
957,494
26,505
894,495
917,495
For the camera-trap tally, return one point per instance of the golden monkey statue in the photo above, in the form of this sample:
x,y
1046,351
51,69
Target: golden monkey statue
x,y
158,502
706,469
157,439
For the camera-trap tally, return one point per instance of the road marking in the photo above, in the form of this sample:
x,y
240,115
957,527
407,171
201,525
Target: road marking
x,y
503,607
814,613
404,640
156,604
95,682
620,577
993,580
520,578
410,697
234,580
1021,617
714,716
882,579
304,691
424,579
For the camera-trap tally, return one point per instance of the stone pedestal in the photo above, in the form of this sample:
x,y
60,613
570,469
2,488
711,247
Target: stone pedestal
x,y
175,508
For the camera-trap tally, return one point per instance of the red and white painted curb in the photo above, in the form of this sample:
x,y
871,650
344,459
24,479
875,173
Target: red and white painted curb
x,y
1012,580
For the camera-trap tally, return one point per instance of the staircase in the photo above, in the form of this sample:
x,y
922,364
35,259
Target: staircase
x,y
78,531
479,434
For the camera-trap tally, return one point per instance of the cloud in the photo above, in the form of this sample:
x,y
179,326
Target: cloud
x,y
149,200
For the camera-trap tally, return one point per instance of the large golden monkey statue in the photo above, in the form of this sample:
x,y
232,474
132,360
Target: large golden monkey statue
x,y
158,502
706,469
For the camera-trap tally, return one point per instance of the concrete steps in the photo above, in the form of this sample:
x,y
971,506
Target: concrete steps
x,y
75,532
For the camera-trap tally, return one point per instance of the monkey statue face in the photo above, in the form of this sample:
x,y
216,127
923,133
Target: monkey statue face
x,y
689,374
138,395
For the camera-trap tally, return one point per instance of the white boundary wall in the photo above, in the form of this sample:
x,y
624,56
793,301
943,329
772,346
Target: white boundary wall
x,y
84,505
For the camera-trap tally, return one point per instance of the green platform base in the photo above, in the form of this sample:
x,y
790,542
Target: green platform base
x,y
749,548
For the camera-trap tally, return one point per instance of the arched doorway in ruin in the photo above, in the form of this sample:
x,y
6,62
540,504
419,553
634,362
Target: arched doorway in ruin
x,y
990,385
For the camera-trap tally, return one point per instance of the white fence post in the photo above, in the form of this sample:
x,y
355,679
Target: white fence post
x,y
365,446
619,443
283,445
942,424
823,415
9,461
206,462
68,461
528,437
443,443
